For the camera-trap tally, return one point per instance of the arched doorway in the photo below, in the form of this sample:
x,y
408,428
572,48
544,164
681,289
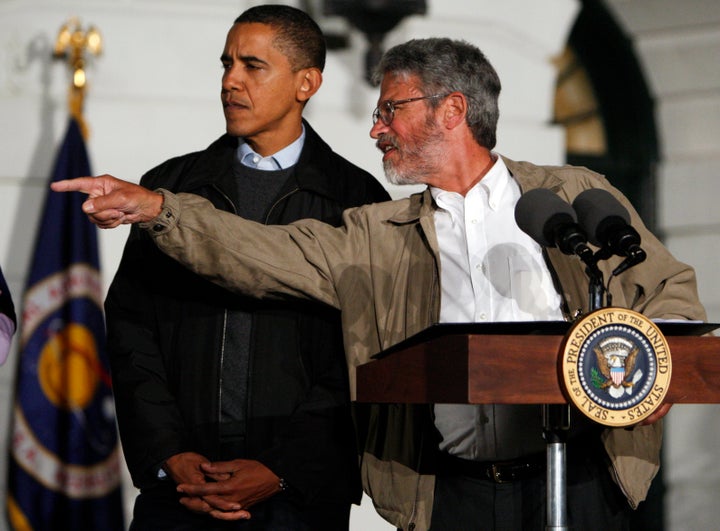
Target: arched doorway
x,y
604,104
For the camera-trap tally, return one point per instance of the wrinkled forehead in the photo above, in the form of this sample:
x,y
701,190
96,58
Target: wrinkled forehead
x,y
399,85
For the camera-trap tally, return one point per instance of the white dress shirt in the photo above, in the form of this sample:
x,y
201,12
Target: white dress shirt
x,y
490,271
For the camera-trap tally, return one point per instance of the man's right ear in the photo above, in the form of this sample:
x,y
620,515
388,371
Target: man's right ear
x,y
309,83
455,106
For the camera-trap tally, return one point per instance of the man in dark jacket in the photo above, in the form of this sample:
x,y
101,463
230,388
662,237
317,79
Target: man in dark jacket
x,y
211,386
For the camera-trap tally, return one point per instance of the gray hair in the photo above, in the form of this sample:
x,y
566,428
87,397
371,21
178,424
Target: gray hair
x,y
443,66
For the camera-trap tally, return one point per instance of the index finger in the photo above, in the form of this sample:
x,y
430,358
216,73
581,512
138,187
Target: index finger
x,y
80,184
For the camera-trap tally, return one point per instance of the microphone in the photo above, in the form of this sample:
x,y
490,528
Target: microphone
x,y
607,223
551,222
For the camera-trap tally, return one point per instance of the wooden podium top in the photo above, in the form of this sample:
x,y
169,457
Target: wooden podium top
x,y
477,364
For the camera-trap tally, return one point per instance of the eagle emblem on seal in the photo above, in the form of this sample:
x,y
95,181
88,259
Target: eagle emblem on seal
x,y
616,358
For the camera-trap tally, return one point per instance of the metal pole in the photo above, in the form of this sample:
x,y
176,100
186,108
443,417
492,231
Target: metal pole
x,y
556,486
556,423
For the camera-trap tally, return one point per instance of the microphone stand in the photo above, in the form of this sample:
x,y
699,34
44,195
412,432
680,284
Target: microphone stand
x,y
596,287
556,417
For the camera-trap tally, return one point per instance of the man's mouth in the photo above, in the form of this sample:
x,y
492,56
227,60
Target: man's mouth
x,y
233,105
386,146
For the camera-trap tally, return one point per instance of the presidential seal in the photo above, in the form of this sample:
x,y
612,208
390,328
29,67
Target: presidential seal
x,y
616,366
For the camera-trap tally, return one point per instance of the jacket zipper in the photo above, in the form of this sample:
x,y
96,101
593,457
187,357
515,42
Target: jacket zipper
x,y
233,210
279,200
222,363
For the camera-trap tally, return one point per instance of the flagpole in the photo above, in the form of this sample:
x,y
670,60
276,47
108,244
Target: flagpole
x,y
74,44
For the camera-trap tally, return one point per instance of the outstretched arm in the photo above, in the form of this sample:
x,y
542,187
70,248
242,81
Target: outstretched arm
x,y
242,256
112,202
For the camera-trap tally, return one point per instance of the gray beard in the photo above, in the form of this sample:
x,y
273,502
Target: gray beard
x,y
418,174
394,177
425,158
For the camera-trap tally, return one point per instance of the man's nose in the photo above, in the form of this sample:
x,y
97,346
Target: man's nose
x,y
232,79
377,129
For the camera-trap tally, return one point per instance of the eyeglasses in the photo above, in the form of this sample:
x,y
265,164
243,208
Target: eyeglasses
x,y
386,110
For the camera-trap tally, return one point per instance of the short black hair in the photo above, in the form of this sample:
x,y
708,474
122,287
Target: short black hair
x,y
298,36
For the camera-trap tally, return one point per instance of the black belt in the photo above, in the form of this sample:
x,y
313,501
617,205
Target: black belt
x,y
498,471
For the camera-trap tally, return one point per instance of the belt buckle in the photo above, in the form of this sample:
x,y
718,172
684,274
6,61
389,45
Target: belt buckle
x,y
496,474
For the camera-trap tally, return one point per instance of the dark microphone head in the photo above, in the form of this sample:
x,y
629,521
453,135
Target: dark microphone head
x,y
607,222
551,222
600,214
539,212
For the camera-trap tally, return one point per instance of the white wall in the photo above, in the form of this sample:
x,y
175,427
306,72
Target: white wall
x,y
154,94
679,45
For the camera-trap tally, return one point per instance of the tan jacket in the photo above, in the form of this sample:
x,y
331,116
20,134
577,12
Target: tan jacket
x,y
382,269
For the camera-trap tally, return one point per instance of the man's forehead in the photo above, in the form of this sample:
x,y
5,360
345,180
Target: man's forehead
x,y
397,86
250,37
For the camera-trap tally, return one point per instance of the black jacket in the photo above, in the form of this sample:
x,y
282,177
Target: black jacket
x,y
165,338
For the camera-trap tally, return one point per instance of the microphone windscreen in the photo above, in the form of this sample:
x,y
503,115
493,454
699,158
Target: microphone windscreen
x,y
597,210
538,212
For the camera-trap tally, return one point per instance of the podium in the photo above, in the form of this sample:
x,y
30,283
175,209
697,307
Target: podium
x,y
518,363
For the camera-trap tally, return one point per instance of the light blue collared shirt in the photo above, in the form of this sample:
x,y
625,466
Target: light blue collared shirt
x,y
285,158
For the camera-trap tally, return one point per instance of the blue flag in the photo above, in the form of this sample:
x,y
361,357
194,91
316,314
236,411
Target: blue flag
x,y
63,470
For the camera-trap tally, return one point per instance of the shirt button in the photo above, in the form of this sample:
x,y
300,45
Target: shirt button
x,y
473,221
483,316
256,159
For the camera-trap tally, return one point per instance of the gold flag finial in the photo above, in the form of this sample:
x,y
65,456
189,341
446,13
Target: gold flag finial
x,y
73,43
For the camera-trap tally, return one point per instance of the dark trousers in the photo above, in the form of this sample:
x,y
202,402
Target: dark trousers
x,y
594,502
158,509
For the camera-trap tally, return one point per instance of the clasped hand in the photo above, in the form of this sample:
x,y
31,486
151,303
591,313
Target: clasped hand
x,y
226,489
